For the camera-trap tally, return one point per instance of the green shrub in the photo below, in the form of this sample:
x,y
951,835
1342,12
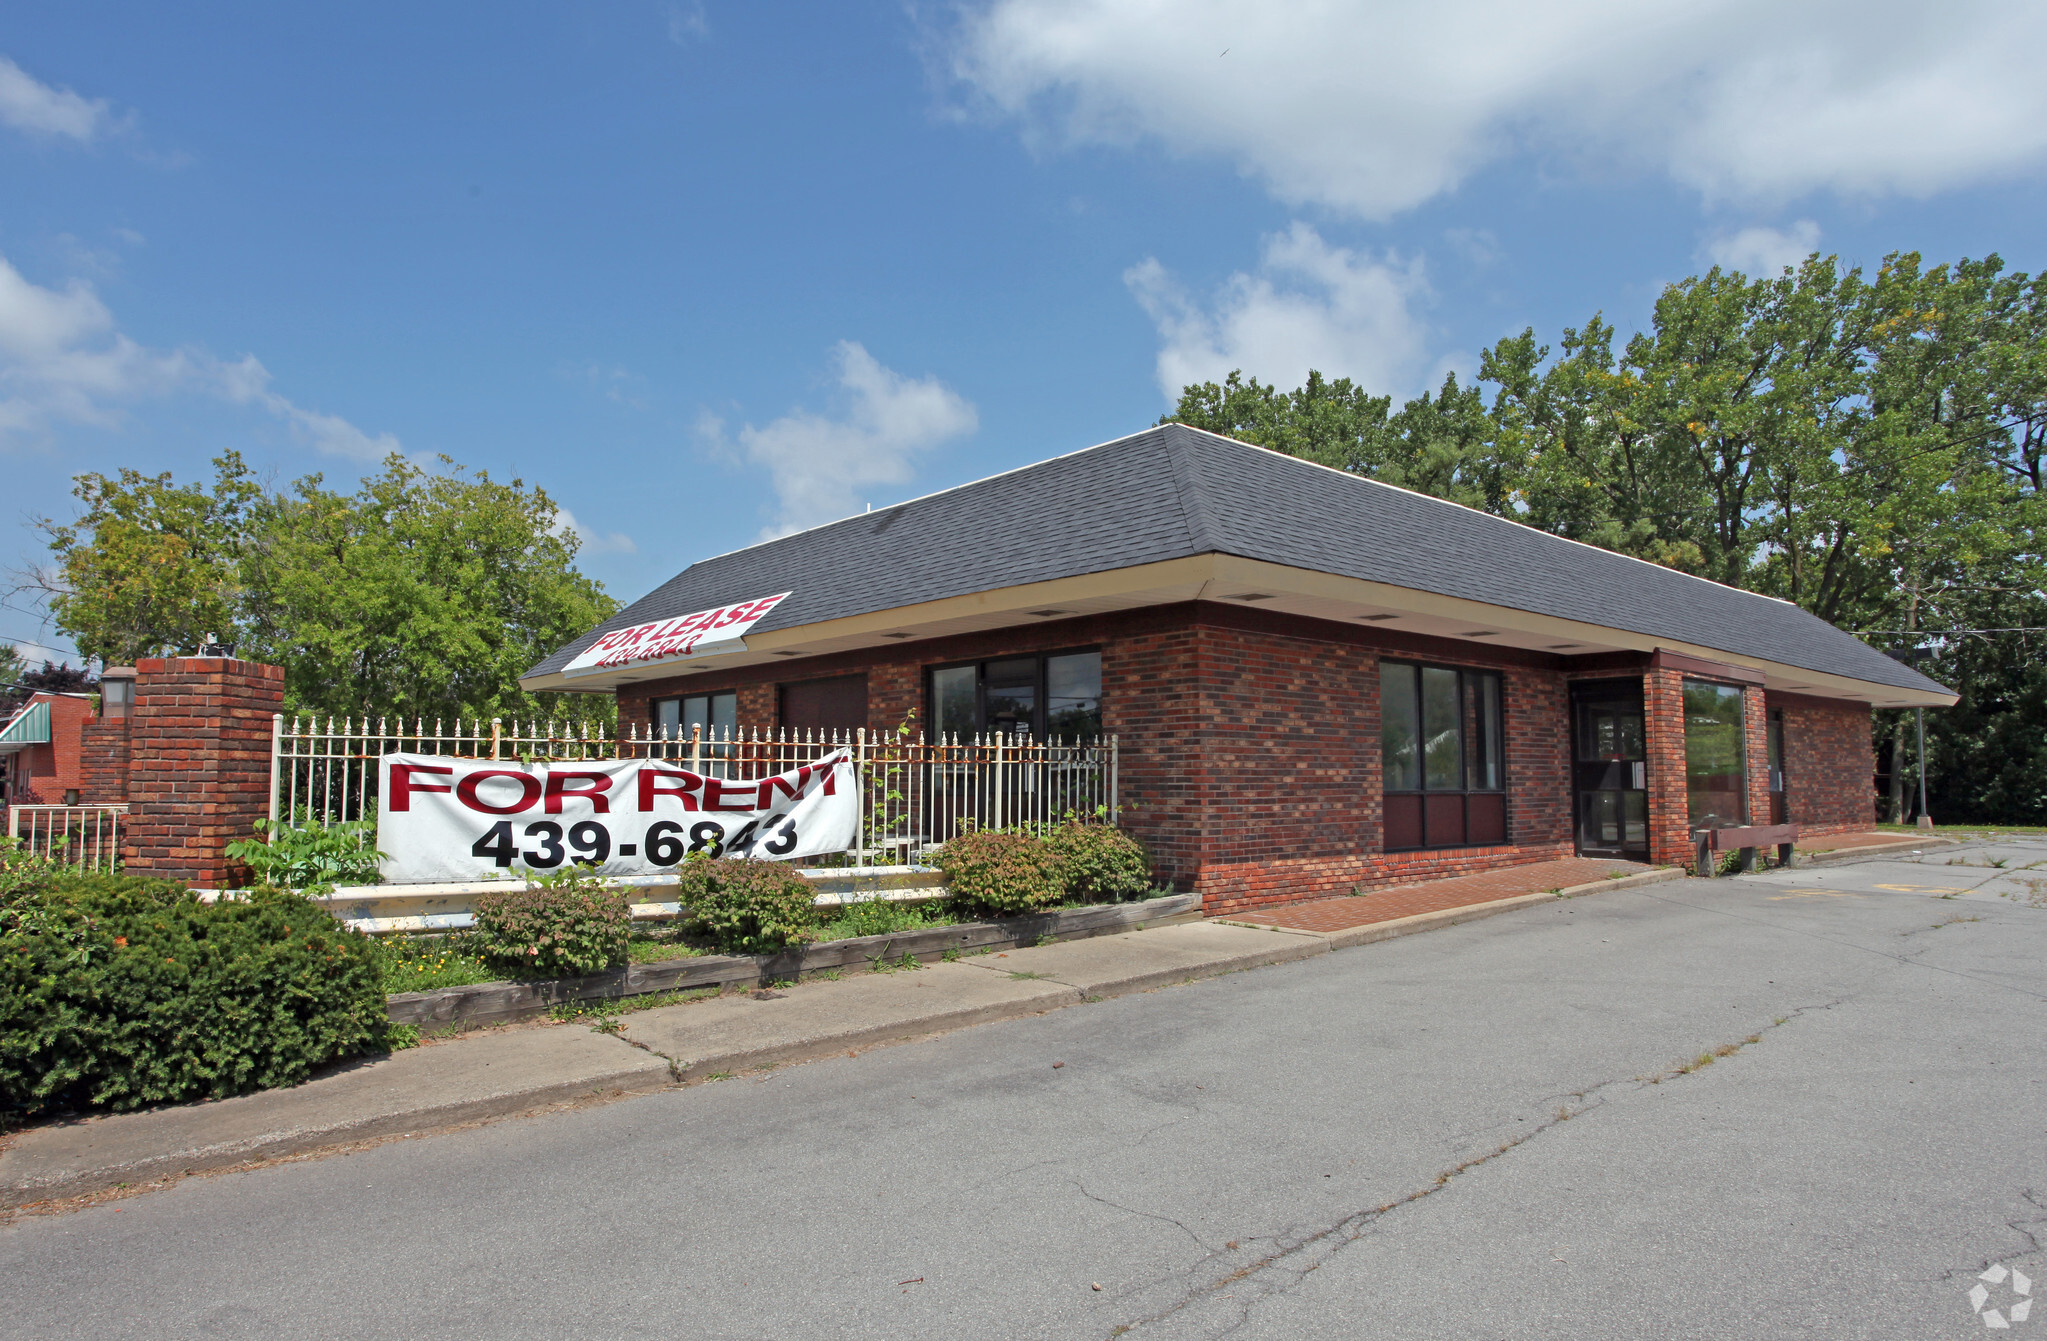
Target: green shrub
x,y
994,872
563,925
336,854
1100,863
119,992
748,907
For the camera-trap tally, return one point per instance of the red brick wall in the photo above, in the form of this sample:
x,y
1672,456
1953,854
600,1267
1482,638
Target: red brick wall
x,y
103,761
199,774
1755,753
1829,763
1250,740
1669,807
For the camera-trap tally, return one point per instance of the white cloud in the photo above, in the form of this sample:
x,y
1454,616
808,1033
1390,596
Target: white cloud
x,y
37,109
1761,251
62,360
1309,305
688,23
1374,106
820,464
592,542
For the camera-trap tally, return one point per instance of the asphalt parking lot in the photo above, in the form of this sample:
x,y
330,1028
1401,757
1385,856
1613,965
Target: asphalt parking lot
x,y
1808,1103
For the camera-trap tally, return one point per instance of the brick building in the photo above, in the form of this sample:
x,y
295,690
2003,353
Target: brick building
x,y
1318,682
39,749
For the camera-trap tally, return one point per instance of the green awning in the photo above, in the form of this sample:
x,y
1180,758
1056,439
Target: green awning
x,y
30,726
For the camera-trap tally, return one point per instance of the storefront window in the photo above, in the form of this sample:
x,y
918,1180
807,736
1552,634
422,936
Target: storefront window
x,y
1441,752
676,720
1057,696
1716,776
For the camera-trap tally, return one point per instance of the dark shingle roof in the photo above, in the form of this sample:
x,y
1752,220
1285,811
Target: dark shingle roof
x,y
1173,491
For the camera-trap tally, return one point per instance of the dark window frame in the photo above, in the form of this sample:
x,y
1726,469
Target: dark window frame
x,y
1494,814
676,746
1041,690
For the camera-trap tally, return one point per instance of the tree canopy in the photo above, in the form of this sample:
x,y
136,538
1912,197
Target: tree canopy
x,y
1868,447
420,593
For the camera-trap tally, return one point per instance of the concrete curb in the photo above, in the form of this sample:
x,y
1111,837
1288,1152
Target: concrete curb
x,y
854,1039
1100,986
1373,932
74,1159
1873,850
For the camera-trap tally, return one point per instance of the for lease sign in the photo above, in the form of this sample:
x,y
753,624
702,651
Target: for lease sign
x,y
705,633
444,819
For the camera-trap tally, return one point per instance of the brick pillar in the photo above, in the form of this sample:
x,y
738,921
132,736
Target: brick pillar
x,y
1755,721
199,763
1663,709
103,761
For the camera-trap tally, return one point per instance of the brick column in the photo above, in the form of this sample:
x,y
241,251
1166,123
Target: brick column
x,y
103,761
199,767
1755,720
1663,710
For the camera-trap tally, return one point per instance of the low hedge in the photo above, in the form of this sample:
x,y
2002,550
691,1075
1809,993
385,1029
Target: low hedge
x,y
747,907
561,926
118,992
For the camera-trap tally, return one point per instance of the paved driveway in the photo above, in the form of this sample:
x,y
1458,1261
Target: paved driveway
x,y
1498,1130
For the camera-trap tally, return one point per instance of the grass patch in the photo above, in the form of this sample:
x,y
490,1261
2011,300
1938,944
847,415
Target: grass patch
x,y
883,917
655,945
429,963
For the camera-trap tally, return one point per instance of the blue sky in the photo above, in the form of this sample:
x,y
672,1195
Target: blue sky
x,y
711,271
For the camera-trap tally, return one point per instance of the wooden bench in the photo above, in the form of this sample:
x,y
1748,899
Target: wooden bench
x,y
1708,844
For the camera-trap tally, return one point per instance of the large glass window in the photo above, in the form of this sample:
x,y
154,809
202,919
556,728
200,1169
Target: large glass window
x,y
676,720
1039,696
1716,776
1442,754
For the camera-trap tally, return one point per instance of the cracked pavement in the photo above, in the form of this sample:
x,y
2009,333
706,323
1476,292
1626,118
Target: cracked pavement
x,y
1805,1103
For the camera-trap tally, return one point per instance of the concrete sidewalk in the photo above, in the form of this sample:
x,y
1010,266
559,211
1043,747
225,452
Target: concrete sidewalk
x,y
528,1069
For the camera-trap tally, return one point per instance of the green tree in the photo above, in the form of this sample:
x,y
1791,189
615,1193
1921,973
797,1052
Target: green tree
x,y
150,566
421,594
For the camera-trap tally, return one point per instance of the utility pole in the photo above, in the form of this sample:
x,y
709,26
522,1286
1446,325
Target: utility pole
x,y
1925,820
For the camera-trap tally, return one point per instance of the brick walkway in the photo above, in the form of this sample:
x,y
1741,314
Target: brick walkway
x,y
1383,905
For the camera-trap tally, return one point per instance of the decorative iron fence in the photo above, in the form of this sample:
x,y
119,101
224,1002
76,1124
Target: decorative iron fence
x,y
87,837
915,793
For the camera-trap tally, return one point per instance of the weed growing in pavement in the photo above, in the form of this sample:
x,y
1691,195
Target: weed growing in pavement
x,y
881,963
1047,939
1026,973
951,955
599,1012
830,975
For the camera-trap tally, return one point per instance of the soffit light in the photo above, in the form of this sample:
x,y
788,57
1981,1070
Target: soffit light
x,y
1376,618
1563,647
788,654
1047,614
898,635
1479,633
1250,596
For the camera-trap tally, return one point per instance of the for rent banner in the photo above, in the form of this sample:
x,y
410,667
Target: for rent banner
x,y
441,819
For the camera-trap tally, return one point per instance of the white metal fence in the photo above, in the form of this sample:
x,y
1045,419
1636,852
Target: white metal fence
x,y
915,793
87,837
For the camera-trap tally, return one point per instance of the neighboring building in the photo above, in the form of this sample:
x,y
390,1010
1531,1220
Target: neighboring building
x,y
1318,682
40,749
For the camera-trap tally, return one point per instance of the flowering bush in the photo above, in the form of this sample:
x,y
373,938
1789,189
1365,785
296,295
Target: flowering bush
x,y
561,926
1099,862
998,871
747,907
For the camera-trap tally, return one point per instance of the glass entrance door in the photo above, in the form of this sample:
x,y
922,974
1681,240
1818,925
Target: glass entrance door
x,y
1610,769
